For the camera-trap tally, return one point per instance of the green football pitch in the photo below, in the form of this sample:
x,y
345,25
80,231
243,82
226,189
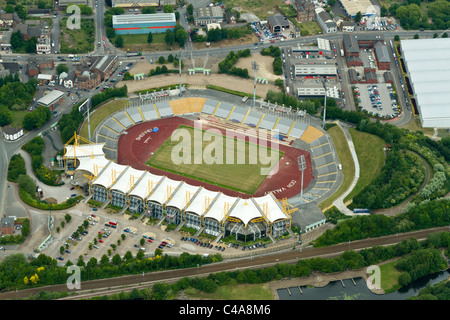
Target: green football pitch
x,y
223,161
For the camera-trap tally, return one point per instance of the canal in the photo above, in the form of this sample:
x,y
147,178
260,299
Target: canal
x,y
357,290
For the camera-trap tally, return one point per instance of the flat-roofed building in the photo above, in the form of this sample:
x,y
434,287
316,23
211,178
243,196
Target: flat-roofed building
x,y
301,70
427,64
206,15
52,100
141,3
143,23
317,92
352,7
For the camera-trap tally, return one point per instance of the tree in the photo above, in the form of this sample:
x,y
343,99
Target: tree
x,y
190,9
416,36
16,40
21,11
142,241
30,45
161,60
358,16
119,42
168,8
397,37
27,184
150,37
181,36
116,259
169,38
68,218
5,116
62,68
61,249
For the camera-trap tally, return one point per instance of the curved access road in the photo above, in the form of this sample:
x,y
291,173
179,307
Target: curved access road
x,y
291,256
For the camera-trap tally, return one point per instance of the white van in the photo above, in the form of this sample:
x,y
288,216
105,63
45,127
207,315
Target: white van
x,y
340,167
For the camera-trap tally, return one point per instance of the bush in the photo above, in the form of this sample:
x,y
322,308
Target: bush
x,y
16,168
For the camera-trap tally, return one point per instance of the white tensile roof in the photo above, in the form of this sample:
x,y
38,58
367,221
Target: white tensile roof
x,y
179,199
161,195
246,210
124,183
87,163
273,207
198,204
84,150
105,178
145,185
216,210
146,182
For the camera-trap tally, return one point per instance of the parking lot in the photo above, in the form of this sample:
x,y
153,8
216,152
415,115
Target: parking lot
x,y
377,99
129,233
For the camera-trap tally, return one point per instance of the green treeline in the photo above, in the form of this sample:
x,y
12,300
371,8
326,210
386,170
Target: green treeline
x,y
226,65
303,268
402,175
109,94
428,214
15,268
69,123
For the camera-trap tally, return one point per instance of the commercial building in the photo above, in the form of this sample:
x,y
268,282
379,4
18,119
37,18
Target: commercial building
x,y
427,64
278,22
142,3
353,43
105,65
52,100
317,92
323,48
314,70
143,23
206,15
7,225
87,80
352,7
382,56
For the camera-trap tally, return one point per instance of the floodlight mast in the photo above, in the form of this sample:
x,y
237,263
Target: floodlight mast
x,y
255,68
301,167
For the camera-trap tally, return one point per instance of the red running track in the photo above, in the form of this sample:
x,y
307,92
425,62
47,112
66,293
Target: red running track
x,y
138,143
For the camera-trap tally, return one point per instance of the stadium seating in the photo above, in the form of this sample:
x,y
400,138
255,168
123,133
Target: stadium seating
x,y
311,133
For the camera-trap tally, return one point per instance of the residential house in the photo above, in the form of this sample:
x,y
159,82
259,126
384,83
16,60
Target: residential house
x,y
32,67
325,21
88,80
305,10
9,20
69,80
347,26
5,40
7,225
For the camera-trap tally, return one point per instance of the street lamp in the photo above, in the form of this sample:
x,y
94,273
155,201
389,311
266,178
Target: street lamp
x,y
325,103
301,167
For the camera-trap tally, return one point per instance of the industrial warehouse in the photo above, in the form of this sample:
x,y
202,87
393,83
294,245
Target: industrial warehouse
x,y
427,63
143,23
176,201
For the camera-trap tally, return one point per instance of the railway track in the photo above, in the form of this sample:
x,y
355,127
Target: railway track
x,y
112,285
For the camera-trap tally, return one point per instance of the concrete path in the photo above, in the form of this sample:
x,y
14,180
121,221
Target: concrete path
x,y
339,202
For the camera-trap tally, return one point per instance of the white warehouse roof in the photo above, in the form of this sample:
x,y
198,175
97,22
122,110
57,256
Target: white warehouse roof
x,y
427,62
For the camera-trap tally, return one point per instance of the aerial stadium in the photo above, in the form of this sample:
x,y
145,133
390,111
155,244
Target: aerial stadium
x,y
131,166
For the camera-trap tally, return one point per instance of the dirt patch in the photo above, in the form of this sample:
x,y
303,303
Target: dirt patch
x,y
222,80
249,38
265,66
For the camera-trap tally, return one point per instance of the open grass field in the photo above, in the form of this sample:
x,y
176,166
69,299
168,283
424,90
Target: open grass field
x,y
101,113
218,162
237,292
389,277
261,8
345,158
371,157
138,42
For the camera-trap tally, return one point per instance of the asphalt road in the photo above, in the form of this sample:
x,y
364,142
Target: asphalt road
x,y
291,256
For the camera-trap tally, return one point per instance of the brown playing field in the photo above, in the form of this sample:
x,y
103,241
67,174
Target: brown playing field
x,y
217,161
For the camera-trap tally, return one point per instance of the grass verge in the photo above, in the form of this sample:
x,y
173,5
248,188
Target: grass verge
x,y
345,158
369,149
